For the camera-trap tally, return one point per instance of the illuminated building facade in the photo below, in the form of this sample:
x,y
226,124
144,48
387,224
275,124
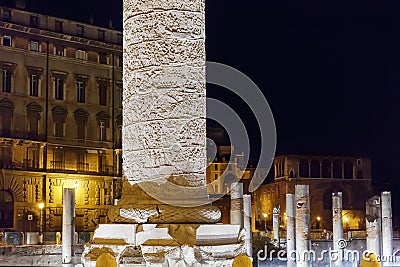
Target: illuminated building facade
x,y
324,174
60,113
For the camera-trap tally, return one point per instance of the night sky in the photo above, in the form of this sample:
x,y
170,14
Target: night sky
x,y
330,70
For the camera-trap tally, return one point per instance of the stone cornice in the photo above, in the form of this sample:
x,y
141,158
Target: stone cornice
x,y
45,34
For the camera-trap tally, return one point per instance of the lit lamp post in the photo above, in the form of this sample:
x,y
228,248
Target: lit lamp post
x,y
318,226
41,206
265,215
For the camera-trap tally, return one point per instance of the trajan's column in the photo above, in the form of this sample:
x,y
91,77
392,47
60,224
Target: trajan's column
x,y
164,114
164,205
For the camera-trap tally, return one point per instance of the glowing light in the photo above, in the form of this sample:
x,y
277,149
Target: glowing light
x,y
346,219
265,215
41,205
318,218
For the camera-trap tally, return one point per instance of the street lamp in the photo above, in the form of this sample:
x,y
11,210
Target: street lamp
x,y
265,215
318,224
41,206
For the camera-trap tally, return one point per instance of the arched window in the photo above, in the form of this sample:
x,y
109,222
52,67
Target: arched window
x,y
6,209
59,117
348,170
326,169
6,115
33,110
118,131
337,169
315,169
304,168
292,174
81,118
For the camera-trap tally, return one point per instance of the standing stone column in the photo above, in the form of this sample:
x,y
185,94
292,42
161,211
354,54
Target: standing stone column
x,y
68,229
237,204
164,96
338,237
387,226
275,222
164,126
373,225
247,224
290,230
302,198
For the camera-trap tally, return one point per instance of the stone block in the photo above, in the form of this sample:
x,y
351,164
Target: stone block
x,y
117,233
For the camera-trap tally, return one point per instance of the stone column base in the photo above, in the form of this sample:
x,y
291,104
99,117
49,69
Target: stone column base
x,y
165,244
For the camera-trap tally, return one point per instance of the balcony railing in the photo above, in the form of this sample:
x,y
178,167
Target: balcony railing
x,y
106,169
30,164
82,167
57,165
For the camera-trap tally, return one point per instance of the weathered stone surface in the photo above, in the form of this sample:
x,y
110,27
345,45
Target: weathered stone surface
x,y
164,129
192,244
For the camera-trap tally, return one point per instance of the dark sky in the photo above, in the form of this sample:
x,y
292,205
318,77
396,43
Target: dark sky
x,y
329,69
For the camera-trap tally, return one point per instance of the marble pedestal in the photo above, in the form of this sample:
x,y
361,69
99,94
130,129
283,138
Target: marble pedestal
x,y
166,244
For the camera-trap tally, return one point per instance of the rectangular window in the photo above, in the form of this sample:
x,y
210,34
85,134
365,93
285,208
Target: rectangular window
x,y
120,62
118,98
80,129
32,160
81,164
81,54
34,22
34,85
7,41
102,163
59,50
6,15
59,89
58,159
80,86
58,26
6,81
103,95
6,155
58,128
79,30
216,167
34,46
103,58
119,39
33,125
5,119
101,35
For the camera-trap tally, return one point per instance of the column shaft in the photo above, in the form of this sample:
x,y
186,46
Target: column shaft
x,y
247,224
338,241
237,204
373,225
68,224
290,230
302,225
387,226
